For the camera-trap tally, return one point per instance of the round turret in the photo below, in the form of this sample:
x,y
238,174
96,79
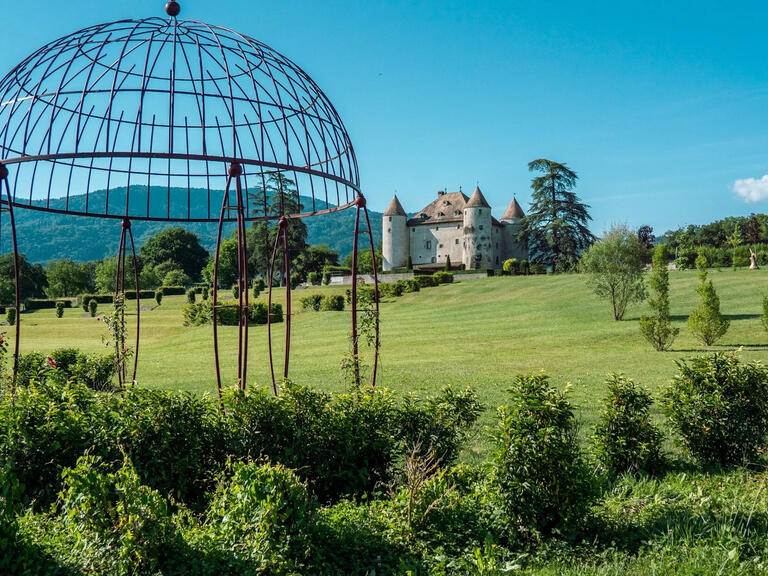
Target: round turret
x,y
394,237
478,244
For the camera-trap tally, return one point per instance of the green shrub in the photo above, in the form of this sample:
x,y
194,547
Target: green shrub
x,y
314,278
10,316
43,304
332,302
706,322
143,294
235,291
537,268
173,290
625,440
525,267
311,302
295,280
191,296
657,327
92,306
176,278
719,407
100,298
204,293
159,297
59,309
740,257
442,277
542,480
511,265
425,281
197,314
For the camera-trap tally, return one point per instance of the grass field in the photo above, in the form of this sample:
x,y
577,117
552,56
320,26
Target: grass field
x,y
473,332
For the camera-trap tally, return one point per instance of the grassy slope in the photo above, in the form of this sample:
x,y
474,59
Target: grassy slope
x,y
473,332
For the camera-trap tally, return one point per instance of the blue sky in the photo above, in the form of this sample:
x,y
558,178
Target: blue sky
x,y
661,109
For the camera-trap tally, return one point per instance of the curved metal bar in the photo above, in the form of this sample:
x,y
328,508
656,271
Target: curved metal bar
x,y
17,293
214,295
269,306
354,335
119,303
138,300
377,342
287,266
243,312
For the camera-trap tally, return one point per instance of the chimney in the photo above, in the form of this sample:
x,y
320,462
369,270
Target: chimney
x,y
440,193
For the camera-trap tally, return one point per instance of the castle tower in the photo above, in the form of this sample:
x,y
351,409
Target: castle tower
x,y
510,222
394,237
478,246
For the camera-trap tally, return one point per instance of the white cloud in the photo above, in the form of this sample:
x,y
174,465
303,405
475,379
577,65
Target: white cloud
x,y
752,189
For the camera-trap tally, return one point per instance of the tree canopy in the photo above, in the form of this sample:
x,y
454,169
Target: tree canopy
x,y
68,278
177,245
555,228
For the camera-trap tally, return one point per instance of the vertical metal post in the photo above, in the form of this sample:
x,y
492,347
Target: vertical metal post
x,y
214,295
355,356
243,312
127,224
377,341
17,292
284,222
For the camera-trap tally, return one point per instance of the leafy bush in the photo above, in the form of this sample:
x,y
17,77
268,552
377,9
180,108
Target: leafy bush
x,y
314,278
10,316
537,268
706,322
765,312
235,291
425,281
143,294
190,296
92,306
511,265
332,302
719,407
443,277
311,302
100,299
525,267
42,304
173,290
201,313
159,297
204,293
60,309
625,440
176,278
542,480
657,327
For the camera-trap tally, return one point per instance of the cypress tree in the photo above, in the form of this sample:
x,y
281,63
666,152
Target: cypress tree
x,y
706,322
409,265
447,263
657,327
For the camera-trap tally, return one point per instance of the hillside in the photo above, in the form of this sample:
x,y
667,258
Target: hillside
x,y
44,237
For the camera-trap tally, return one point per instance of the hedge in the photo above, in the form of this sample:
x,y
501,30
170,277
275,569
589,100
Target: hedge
x,y
143,294
100,299
176,290
45,304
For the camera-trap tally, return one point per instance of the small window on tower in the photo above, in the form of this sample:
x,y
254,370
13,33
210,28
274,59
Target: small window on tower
x,y
389,229
429,244
457,240
481,226
440,246
433,259
390,218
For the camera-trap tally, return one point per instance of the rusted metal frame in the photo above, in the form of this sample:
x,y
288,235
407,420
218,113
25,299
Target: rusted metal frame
x,y
215,295
16,287
119,305
377,341
353,294
281,226
288,315
138,299
235,172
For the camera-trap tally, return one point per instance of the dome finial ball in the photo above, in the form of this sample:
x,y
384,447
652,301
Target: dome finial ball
x,y
172,8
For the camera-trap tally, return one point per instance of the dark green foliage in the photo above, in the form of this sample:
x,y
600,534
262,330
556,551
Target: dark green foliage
x,y
173,290
178,246
10,316
625,439
235,291
190,296
201,313
143,294
159,297
525,267
425,281
439,425
92,307
60,308
543,482
364,261
100,299
512,266
447,267
555,228
719,407
314,278
332,302
68,278
765,312
409,263
311,302
32,281
657,327
442,277
41,304
706,322
204,293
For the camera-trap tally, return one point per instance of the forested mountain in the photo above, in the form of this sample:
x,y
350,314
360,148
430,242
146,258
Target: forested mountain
x,y
44,237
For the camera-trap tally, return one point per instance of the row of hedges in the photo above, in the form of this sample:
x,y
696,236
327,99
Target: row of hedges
x,y
327,302
722,257
44,304
318,483
201,313
515,267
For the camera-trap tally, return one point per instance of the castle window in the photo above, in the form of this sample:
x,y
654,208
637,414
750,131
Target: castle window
x,y
497,259
429,244
440,214
440,246
458,226
433,259
390,218
480,211
413,229
389,229
481,226
457,213
457,240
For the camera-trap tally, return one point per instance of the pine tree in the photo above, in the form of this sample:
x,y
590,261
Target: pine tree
x,y
555,228
447,263
657,327
409,264
706,322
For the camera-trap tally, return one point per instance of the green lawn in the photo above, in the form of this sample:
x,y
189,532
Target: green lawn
x,y
473,332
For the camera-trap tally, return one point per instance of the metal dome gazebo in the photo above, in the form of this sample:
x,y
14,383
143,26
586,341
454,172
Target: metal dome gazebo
x,y
150,120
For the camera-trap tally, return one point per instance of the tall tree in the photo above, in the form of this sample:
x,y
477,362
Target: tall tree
x,y
180,247
706,322
614,265
657,327
32,280
555,228
754,230
68,278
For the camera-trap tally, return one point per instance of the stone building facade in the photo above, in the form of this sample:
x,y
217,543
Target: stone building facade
x,y
452,226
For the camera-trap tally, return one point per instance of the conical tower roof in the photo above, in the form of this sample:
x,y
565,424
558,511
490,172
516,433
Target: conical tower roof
x,y
513,211
477,200
394,208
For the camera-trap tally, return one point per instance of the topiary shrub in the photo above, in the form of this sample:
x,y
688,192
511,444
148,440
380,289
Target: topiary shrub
x,y
314,278
173,290
719,407
191,296
332,302
10,316
311,302
59,309
92,307
625,440
511,266
425,281
100,298
525,267
235,291
706,322
543,482
442,277
204,293
159,297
